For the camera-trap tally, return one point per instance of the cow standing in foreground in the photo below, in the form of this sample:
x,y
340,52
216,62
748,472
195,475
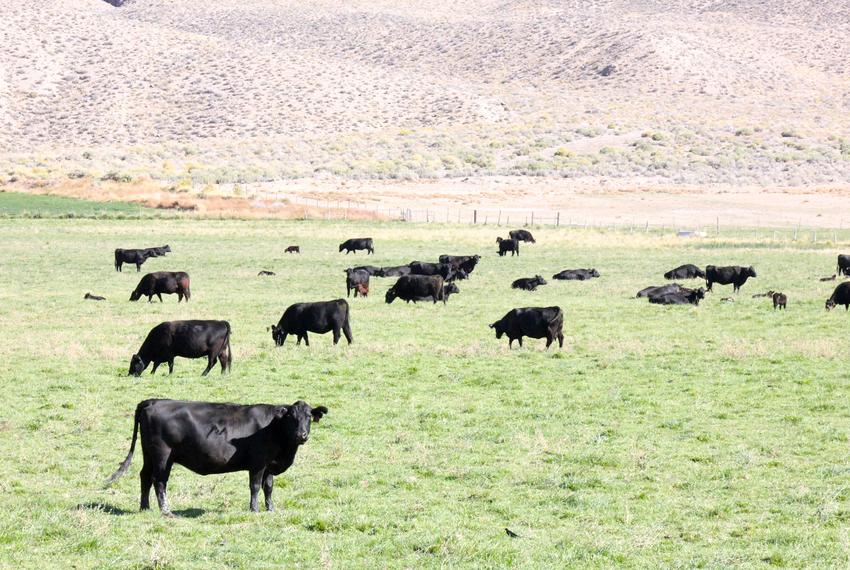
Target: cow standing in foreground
x,y
168,282
319,318
508,245
356,244
534,322
416,287
210,438
841,296
733,274
187,339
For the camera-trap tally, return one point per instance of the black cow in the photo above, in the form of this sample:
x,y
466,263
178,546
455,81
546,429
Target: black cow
x,y
417,287
209,438
448,289
353,278
528,283
508,245
687,271
187,339
370,269
780,301
444,270
319,318
134,256
534,322
522,235
576,274
465,262
660,290
394,271
91,297
292,249
356,244
160,251
160,282
734,274
843,264
264,273
841,296
683,297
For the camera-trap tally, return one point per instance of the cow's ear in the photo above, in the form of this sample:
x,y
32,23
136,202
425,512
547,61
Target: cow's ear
x,y
318,412
492,325
281,411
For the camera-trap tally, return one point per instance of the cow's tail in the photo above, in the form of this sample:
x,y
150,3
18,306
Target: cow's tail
x,y
122,469
225,348
116,259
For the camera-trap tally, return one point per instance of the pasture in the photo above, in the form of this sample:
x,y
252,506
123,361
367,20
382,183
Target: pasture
x,y
705,436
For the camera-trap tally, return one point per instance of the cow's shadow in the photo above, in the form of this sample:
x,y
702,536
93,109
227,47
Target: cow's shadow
x,y
104,507
189,513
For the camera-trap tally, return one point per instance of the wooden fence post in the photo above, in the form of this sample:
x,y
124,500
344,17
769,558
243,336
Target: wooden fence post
x,y
474,217
558,220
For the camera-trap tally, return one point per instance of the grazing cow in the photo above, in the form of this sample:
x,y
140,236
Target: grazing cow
x,y
734,274
576,274
133,256
91,297
212,438
684,297
265,273
828,278
444,270
687,271
187,339
319,318
528,283
292,249
415,287
167,282
507,245
841,296
356,244
353,278
465,262
522,235
534,322
394,271
843,264
362,289
780,300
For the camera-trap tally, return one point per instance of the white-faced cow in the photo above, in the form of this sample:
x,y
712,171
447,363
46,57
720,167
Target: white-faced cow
x,y
212,438
733,274
534,322
357,244
320,318
187,339
168,282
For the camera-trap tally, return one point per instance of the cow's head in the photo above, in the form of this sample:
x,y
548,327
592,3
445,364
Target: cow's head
x,y
295,420
341,247
277,334
391,295
137,366
498,240
540,280
751,271
499,330
166,248
450,288
594,273
135,295
830,304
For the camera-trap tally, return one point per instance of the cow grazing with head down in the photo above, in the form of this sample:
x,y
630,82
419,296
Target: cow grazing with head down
x,y
576,274
528,283
168,282
353,278
320,318
534,322
357,244
507,245
522,235
187,339
292,249
733,274
687,271
209,438
466,263
841,296
416,287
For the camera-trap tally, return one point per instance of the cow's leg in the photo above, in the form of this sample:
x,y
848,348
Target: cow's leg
x,y
150,298
155,366
298,343
510,343
147,481
268,487
171,366
336,335
560,339
138,267
179,296
519,340
160,482
283,340
255,479
306,339
346,330
549,339
211,358
160,297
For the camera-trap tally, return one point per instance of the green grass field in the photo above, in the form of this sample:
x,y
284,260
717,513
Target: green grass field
x,y
710,436
17,204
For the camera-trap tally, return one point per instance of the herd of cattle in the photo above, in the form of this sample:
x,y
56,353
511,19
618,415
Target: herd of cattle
x,y
263,439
